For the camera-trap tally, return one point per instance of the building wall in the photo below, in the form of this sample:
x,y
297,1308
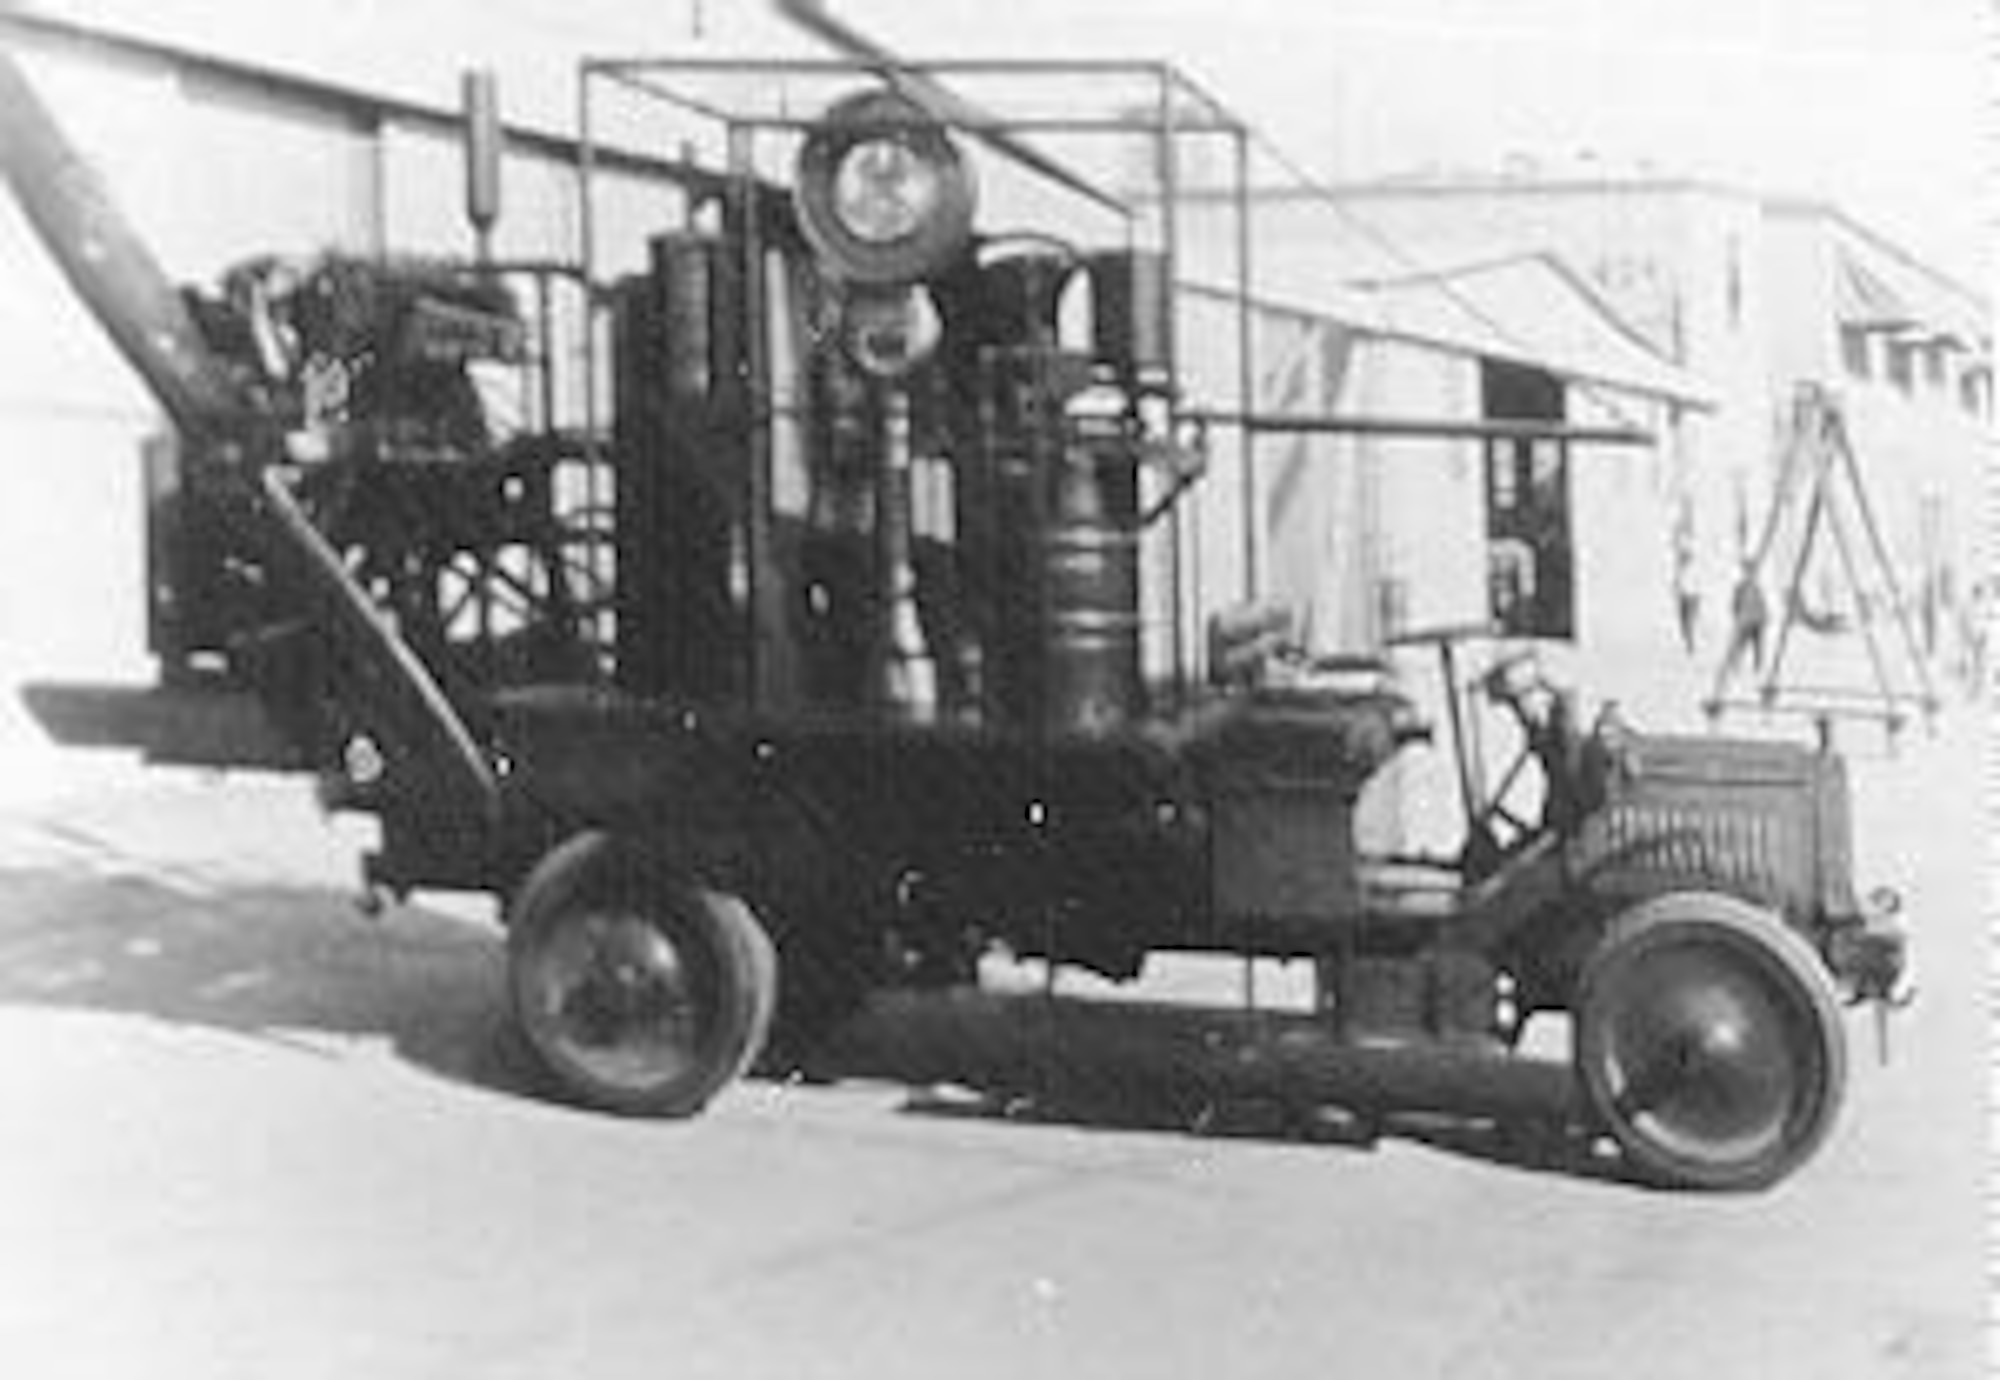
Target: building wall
x,y
1742,291
1920,440
1431,535
1394,529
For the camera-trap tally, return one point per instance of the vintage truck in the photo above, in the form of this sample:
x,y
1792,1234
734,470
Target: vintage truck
x,y
828,625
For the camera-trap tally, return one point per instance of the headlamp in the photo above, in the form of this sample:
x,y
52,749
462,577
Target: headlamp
x,y
882,193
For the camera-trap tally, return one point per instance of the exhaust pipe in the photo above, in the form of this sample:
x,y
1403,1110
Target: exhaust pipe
x,y
481,104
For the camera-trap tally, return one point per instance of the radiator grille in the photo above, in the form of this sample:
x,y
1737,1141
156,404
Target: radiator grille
x,y
1757,852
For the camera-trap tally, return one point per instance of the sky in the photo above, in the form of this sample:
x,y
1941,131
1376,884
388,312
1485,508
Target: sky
x,y
1881,105
1884,106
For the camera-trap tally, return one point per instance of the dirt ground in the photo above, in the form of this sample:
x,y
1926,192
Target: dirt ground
x,y
249,1132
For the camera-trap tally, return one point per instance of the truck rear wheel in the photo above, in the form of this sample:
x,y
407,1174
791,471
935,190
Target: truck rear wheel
x,y
1709,1043
637,989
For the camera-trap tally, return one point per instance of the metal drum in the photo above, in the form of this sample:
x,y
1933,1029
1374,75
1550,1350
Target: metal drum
x,y
690,273
1092,581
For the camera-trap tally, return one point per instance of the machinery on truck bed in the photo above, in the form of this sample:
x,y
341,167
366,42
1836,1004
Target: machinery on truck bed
x,y
851,628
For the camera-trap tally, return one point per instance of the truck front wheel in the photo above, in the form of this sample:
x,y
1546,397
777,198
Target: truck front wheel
x,y
1709,1043
638,990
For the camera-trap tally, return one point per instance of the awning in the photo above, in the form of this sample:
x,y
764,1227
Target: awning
x,y
1530,309
1863,302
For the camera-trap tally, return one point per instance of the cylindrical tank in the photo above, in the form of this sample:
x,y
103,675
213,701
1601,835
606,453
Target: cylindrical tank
x,y
681,627
1090,566
1131,317
690,271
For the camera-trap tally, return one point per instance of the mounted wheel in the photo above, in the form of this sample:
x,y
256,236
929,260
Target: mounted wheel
x,y
638,990
1709,1043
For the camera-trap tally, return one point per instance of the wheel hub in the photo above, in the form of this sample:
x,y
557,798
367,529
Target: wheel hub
x,y
621,1000
1701,1059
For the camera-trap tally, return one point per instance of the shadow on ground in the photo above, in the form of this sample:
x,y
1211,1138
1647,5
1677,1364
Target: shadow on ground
x,y
1539,1146
183,945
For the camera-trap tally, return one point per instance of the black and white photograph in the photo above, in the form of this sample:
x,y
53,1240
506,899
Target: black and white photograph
x,y
905,688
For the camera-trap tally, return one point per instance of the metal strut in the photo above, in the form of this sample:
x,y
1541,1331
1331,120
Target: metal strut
x,y
407,697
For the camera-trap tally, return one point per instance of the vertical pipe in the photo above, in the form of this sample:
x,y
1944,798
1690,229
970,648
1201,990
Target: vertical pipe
x,y
1167,147
1246,377
376,170
1166,150
480,97
742,163
981,530
1043,442
1246,441
545,347
586,257
1196,550
907,675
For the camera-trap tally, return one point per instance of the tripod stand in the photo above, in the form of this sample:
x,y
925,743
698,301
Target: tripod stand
x,y
1820,490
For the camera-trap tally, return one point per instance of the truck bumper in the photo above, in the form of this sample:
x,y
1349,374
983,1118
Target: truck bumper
x,y
1870,952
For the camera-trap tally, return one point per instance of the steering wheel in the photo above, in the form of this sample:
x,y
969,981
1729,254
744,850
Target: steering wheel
x,y
1495,829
